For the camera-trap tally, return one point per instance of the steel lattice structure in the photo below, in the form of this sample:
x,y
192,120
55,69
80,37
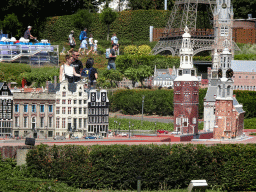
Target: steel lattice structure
x,y
184,13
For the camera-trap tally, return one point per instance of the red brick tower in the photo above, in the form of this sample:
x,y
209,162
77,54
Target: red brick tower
x,y
186,90
229,113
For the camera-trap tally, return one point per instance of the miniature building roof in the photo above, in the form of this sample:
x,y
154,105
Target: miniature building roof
x,y
165,77
211,93
238,106
243,66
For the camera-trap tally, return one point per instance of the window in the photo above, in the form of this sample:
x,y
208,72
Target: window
x,y
80,110
80,94
246,77
41,122
234,77
69,101
84,123
33,108
178,122
33,120
84,101
63,110
74,101
93,104
9,115
41,108
4,93
99,111
93,111
63,101
74,110
224,31
16,109
63,122
84,110
58,101
5,87
185,122
50,122
16,121
50,108
57,110
57,122
69,110
228,90
194,121
25,108
252,77
80,102
63,94
80,123
239,77
25,122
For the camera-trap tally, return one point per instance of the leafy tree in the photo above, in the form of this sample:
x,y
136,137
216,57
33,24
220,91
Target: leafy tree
x,y
131,73
108,16
12,25
83,18
143,72
113,76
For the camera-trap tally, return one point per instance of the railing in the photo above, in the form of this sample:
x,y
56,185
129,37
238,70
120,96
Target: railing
x,y
33,53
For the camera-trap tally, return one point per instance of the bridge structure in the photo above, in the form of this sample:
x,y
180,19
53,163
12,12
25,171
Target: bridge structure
x,y
185,13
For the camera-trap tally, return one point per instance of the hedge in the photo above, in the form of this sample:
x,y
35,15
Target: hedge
x,y
129,25
227,167
160,102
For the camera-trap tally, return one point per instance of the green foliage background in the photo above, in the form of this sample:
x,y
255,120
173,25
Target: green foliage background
x,y
129,25
171,166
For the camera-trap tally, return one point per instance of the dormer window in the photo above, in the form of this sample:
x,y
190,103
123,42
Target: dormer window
x,y
180,72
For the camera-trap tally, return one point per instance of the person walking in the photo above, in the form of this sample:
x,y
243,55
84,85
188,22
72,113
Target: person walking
x,y
114,40
90,72
90,44
112,57
67,71
83,46
72,41
77,64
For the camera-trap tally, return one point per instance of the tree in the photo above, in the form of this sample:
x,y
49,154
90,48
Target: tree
x,y
12,25
108,16
131,73
83,18
113,76
143,72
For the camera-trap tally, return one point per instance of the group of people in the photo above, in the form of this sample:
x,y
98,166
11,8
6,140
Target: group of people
x,y
72,70
83,42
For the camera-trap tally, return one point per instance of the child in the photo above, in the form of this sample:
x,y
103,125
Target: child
x,y
95,47
90,44
83,45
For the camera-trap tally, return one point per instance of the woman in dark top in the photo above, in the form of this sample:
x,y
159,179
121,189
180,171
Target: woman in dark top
x,y
89,71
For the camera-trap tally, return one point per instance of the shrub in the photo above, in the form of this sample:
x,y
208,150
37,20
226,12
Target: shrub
x,y
169,166
131,50
144,50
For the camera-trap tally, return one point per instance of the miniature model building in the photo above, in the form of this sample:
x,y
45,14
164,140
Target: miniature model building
x,y
223,23
186,90
6,109
229,113
98,113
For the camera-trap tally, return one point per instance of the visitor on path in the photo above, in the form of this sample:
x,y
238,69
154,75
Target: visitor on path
x,y
112,57
90,72
114,40
67,71
83,34
90,44
77,64
83,46
72,41
95,47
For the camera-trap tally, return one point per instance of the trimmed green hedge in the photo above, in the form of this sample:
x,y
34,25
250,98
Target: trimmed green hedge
x,y
160,102
129,25
228,167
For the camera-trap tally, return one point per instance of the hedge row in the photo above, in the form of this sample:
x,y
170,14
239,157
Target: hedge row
x,y
227,167
156,102
160,102
129,25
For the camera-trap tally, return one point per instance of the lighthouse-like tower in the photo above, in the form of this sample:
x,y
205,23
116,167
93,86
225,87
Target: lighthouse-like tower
x,y
186,90
229,114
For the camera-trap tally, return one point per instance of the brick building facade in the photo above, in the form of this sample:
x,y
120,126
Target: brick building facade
x,y
186,91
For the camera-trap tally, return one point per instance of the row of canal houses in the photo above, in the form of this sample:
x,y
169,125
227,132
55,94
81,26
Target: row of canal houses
x,y
59,109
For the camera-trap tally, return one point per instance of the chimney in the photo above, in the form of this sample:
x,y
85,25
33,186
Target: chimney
x,y
55,82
